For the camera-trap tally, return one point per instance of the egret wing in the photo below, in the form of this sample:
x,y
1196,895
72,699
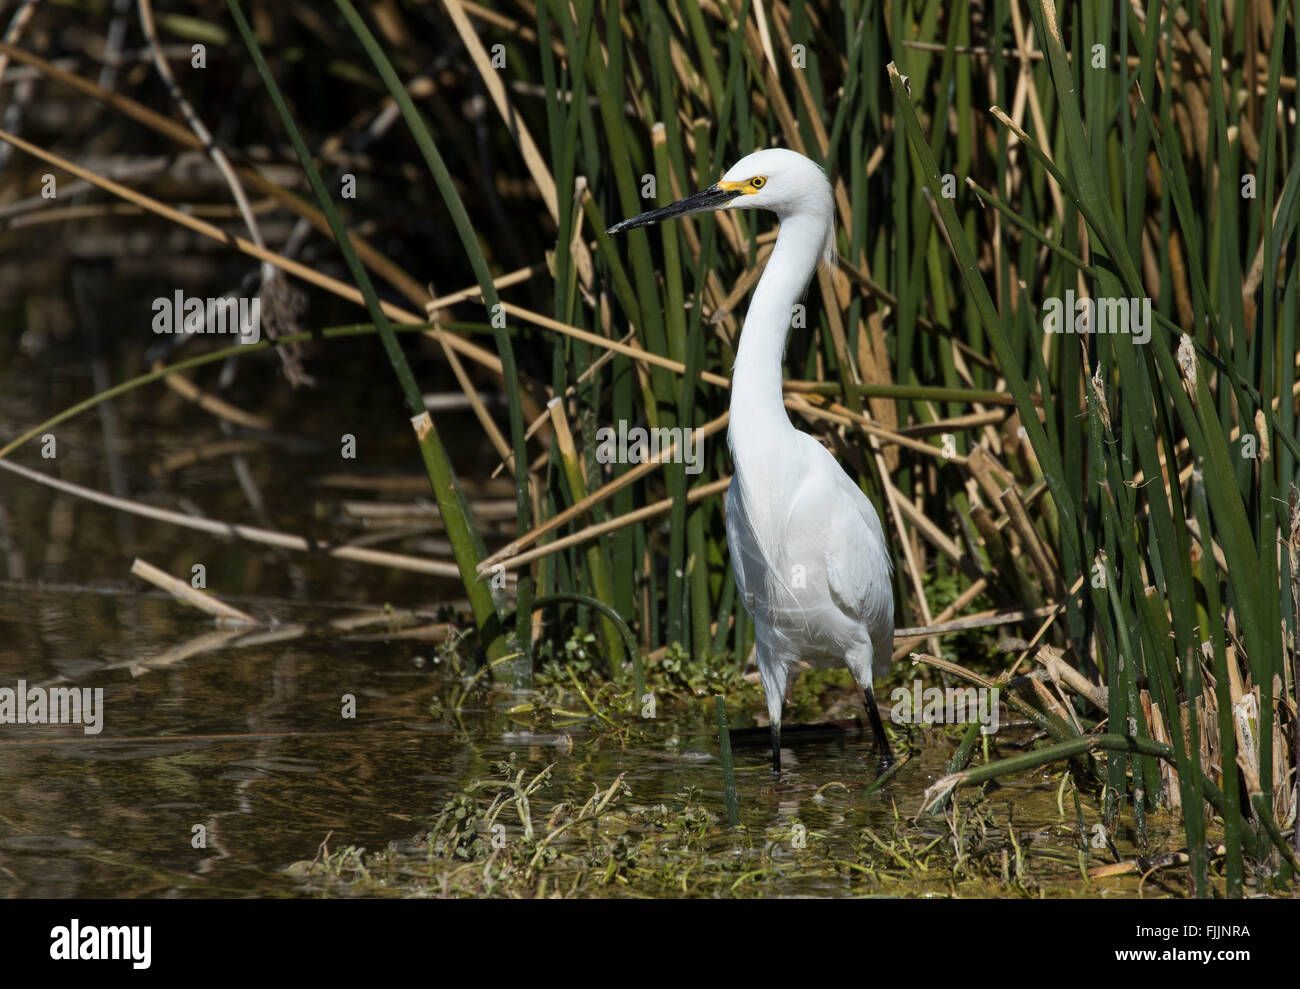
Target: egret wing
x,y
857,566
746,558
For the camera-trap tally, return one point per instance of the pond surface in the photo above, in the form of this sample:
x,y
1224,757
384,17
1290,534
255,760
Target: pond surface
x,y
226,763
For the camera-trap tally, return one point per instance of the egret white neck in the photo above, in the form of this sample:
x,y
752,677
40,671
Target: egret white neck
x,y
757,405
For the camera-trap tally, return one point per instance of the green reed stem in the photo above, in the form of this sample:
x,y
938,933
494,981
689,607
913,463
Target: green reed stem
x,y
461,531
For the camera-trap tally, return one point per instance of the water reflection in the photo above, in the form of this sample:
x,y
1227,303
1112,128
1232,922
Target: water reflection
x,y
227,755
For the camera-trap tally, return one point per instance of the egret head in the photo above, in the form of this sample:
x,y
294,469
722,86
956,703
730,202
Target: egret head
x,y
776,179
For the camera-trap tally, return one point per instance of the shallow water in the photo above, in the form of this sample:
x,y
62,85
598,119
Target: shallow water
x,y
242,739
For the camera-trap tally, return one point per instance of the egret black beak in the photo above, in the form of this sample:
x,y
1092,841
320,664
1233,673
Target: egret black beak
x,y
714,197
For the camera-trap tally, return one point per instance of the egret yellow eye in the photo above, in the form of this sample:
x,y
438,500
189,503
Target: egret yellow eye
x,y
757,182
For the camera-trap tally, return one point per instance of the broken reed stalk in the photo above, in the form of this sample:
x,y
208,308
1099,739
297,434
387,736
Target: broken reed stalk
x,y
190,595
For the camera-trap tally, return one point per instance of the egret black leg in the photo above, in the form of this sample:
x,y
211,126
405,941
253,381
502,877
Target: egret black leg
x,y
776,751
878,729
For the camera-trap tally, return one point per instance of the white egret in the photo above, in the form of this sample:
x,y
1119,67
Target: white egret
x,y
806,544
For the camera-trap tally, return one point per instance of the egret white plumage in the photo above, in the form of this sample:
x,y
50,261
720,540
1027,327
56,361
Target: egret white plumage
x,y
807,547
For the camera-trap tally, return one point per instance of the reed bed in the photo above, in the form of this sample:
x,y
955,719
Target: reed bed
x,y
1121,507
